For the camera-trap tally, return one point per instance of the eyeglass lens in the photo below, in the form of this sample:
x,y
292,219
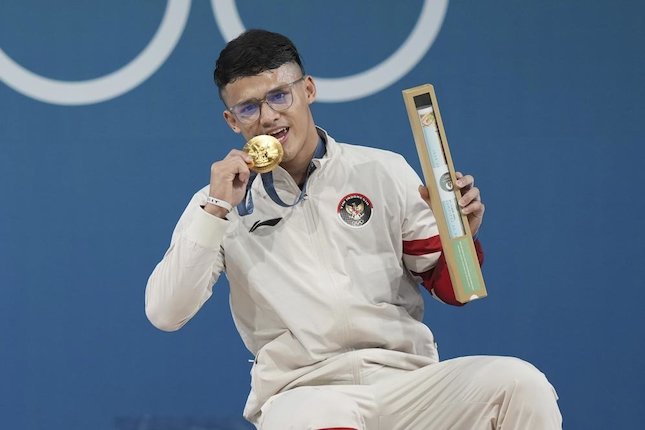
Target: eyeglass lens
x,y
279,100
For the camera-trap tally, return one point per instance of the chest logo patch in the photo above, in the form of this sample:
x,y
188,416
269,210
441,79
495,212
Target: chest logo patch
x,y
355,210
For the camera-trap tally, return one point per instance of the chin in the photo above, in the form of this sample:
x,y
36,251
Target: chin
x,y
286,158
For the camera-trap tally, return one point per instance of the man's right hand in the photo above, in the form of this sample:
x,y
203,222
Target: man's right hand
x,y
229,178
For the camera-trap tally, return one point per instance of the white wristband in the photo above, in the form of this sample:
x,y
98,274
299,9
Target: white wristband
x,y
221,203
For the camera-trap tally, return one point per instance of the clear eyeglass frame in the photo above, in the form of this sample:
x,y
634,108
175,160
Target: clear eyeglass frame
x,y
279,99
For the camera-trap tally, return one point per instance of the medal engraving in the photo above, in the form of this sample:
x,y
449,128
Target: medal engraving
x,y
266,152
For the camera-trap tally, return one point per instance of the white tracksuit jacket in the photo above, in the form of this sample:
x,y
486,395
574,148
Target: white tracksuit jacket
x,y
332,280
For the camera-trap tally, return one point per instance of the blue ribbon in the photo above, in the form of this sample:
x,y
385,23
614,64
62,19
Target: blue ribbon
x,y
246,205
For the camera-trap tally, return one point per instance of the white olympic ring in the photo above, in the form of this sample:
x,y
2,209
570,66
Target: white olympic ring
x,y
228,20
109,86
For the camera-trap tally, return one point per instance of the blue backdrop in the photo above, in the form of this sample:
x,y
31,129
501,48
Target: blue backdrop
x,y
542,102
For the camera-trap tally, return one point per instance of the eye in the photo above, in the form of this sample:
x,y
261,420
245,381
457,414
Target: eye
x,y
246,109
279,97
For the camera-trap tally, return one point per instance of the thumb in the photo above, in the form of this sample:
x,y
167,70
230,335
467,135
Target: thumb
x,y
424,193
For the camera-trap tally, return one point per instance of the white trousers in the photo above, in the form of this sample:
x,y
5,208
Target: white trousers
x,y
468,393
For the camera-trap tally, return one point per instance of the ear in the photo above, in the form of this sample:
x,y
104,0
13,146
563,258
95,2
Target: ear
x,y
310,89
231,121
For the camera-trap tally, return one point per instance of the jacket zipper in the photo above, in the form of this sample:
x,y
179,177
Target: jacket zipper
x,y
325,266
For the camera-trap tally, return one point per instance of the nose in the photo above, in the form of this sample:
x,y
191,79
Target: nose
x,y
267,114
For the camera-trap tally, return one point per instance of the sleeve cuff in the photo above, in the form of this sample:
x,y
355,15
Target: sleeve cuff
x,y
206,230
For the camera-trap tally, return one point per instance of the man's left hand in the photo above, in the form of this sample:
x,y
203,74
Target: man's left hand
x,y
470,202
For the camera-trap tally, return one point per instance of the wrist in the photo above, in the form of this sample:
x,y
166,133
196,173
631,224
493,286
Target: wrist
x,y
219,208
217,211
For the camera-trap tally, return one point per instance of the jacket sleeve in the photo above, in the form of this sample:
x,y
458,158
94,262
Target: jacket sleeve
x,y
422,252
182,282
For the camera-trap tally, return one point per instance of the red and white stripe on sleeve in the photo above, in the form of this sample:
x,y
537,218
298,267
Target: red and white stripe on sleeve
x,y
423,257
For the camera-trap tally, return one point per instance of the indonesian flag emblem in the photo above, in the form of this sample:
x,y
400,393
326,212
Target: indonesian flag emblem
x,y
355,210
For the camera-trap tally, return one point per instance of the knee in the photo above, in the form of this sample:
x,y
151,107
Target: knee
x,y
311,408
525,380
527,395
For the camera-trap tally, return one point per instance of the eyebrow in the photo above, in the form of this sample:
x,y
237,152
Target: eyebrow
x,y
255,99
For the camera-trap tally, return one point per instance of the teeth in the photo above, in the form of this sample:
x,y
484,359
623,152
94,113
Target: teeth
x,y
278,131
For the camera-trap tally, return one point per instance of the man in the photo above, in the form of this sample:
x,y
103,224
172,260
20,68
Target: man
x,y
324,257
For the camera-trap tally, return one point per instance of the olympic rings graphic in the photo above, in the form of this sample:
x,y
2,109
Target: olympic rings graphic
x,y
227,17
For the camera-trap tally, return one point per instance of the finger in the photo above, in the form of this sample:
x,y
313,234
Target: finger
x,y
236,153
472,195
424,193
231,165
242,170
465,182
227,169
475,208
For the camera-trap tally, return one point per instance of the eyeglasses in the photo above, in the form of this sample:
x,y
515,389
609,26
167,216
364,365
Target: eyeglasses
x,y
279,99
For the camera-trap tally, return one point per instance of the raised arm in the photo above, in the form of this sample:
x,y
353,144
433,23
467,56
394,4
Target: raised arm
x,y
183,280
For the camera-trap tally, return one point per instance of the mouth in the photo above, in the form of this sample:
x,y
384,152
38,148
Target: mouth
x,y
280,134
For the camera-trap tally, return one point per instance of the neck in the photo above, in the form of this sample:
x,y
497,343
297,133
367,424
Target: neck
x,y
300,176
299,166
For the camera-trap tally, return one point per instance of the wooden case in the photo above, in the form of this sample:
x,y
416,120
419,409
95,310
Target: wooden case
x,y
439,175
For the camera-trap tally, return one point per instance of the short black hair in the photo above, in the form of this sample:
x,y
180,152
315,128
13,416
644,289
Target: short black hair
x,y
252,53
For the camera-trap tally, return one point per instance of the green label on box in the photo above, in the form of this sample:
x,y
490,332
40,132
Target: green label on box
x,y
467,265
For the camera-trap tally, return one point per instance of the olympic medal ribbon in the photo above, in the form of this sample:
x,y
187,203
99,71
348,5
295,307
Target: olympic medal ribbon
x,y
246,206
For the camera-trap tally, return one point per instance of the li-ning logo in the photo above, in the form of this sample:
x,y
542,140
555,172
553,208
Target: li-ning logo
x,y
445,182
355,210
270,222
152,57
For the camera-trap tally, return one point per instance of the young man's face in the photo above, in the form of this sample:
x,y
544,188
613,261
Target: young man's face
x,y
293,127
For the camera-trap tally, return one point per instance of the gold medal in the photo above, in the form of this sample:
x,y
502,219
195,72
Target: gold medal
x,y
266,152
